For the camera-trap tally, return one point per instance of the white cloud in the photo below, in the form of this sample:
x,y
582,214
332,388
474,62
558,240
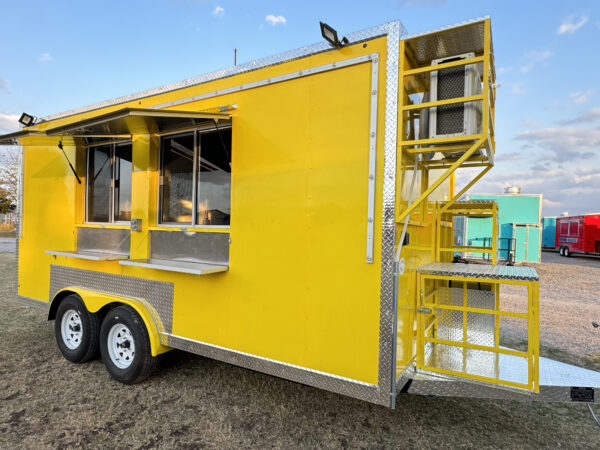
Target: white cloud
x,y
581,97
551,203
510,156
530,123
275,20
219,11
575,188
3,83
589,116
8,123
565,143
45,57
570,26
534,57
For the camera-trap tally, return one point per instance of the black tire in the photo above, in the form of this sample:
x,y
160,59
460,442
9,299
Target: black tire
x,y
84,329
561,251
142,362
567,252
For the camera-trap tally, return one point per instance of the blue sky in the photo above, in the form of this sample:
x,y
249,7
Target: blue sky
x,y
63,54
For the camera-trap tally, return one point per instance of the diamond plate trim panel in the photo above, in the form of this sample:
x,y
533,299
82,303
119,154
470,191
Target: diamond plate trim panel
x,y
387,314
481,271
302,52
333,383
158,294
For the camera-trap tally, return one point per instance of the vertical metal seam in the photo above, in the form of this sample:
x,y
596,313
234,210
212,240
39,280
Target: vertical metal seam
x,y
19,212
372,157
386,313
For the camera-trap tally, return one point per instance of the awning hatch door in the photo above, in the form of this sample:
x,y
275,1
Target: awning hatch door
x,y
128,121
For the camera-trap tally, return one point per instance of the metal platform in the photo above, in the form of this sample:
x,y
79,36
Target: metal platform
x,y
491,272
559,382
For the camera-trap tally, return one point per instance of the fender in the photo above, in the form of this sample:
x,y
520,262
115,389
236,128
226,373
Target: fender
x,y
94,301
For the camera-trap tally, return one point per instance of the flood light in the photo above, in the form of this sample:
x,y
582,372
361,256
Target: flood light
x,y
331,36
26,119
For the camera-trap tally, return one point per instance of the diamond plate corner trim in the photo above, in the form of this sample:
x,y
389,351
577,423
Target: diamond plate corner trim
x,y
387,315
19,211
302,52
157,294
334,383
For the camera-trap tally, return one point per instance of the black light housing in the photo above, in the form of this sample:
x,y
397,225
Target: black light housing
x,y
26,119
331,36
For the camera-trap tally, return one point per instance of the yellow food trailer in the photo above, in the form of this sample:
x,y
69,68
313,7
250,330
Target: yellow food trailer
x,y
292,215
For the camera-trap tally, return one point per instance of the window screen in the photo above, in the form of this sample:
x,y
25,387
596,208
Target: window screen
x,y
99,175
123,182
177,175
108,181
214,178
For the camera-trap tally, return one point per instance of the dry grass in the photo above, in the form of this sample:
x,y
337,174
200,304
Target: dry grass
x,y
46,402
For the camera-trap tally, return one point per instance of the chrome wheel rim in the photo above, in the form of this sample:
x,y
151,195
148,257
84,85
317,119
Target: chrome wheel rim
x,y
121,347
71,329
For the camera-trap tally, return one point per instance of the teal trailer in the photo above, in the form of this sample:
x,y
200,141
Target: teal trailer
x,y
519,226
548,232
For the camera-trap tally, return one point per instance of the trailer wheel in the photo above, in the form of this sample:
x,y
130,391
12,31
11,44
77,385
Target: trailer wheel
x,y
567,252
76,330
125,346
561,251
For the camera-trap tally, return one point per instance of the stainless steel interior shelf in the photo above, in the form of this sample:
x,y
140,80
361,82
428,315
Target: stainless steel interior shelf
x,y
193,268
89,255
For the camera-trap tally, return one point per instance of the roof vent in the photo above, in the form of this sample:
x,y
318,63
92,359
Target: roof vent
x,y
512,190
564,214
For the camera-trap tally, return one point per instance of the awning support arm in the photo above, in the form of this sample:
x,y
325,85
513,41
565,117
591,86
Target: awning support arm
x,y
60,145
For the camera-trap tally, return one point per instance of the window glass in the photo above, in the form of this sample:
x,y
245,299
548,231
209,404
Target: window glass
x,y
573,228
177,178
214,178
99,175
564,227
123,182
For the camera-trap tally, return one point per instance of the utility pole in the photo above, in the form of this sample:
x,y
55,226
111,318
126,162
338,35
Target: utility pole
x,y
235,56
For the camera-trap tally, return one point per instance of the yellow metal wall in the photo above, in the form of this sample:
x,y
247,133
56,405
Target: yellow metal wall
x,y
298,289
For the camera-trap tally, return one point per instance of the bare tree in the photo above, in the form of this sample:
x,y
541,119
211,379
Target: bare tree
x,y
9,173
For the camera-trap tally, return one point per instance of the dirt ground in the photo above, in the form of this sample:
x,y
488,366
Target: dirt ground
x,y
193,402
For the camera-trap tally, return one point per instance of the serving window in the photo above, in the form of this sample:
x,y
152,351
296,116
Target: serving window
x,y
195,178
108,183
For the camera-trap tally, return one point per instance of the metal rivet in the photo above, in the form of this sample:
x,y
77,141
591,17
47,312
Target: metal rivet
x,y
373,134
371,177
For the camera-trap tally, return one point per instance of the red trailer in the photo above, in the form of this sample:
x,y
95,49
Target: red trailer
x,y
578,234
